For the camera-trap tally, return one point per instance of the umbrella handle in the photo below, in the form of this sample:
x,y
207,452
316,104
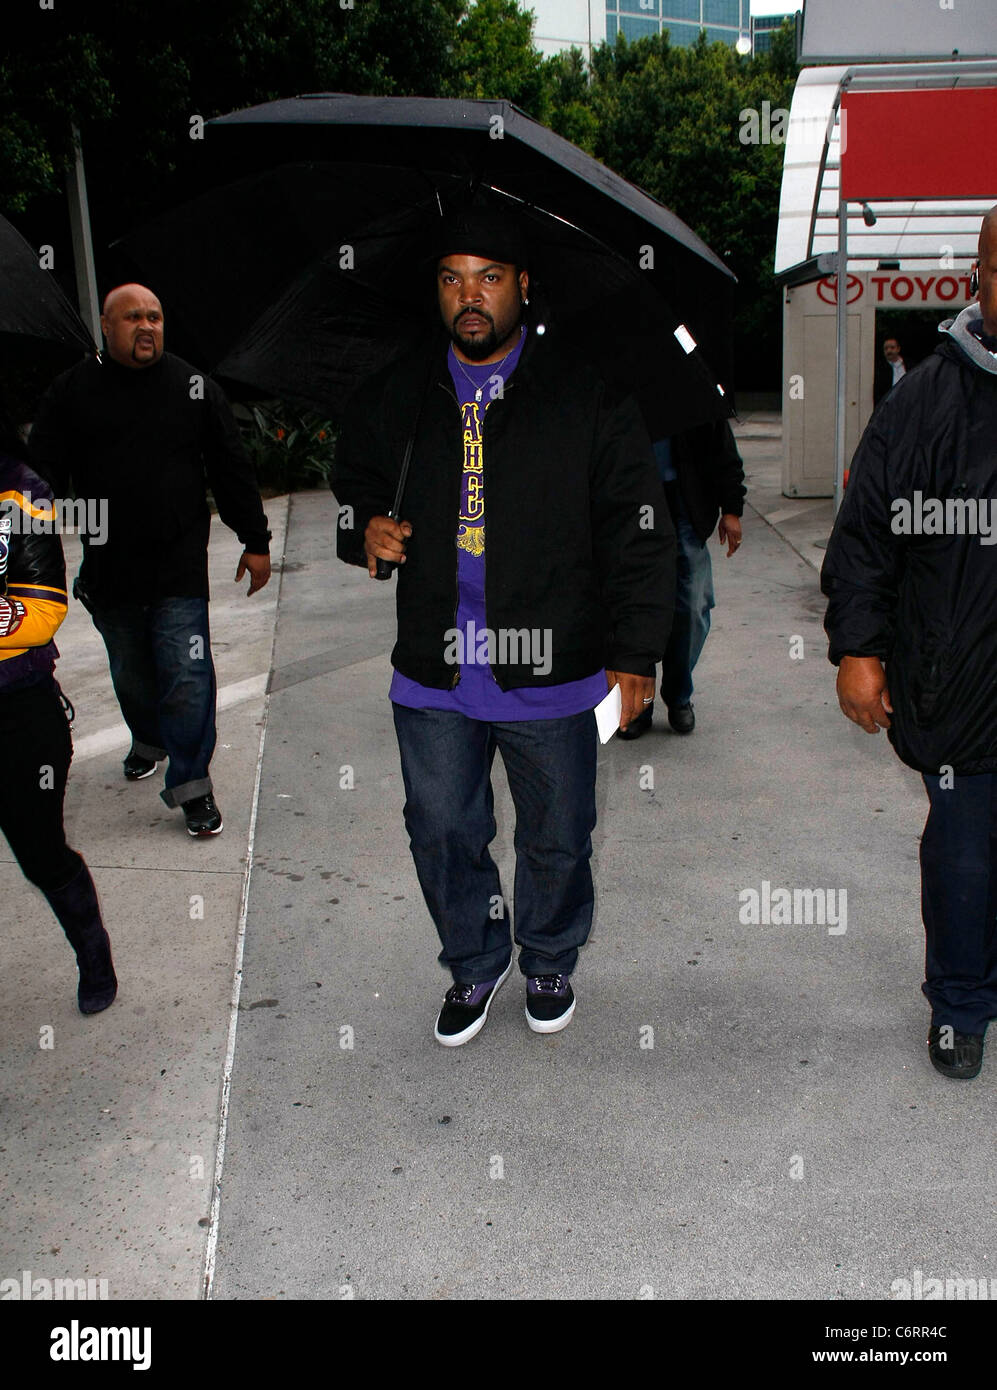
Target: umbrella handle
x,y
386,568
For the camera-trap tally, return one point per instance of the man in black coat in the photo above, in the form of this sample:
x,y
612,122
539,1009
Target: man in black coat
x,y
911,578
507,645
703,479
143,434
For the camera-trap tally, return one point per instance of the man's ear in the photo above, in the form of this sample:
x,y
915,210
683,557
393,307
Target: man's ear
x,y
524,283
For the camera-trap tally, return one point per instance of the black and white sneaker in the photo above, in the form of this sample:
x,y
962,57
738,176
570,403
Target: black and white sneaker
x,y
550,1002
202,816
136,767
465,1010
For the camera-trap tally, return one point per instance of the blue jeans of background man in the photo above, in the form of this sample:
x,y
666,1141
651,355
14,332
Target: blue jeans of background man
x,y
959,901
551,764
691,624
164,679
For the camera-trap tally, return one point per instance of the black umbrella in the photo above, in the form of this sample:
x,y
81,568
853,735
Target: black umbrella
x,y
494,143
41,333
34,312
339,299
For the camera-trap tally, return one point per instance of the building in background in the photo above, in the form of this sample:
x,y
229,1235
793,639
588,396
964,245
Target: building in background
x,y
587,23
763,26
561,24
726,21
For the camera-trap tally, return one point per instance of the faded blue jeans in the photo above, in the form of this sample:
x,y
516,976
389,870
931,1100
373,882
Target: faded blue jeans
x,y
164,679
691,624
551,764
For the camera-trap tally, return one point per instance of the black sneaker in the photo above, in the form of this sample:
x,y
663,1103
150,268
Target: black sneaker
x,y
465,1010
637,726
202,816
136,767
961,1059
682,719
550,1002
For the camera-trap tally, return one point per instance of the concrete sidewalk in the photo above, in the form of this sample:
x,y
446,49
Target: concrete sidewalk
x,y
109,1132
736,1111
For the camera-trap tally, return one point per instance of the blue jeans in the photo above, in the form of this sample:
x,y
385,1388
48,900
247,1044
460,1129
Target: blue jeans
x,y
164,680
551,763
691,624
959,901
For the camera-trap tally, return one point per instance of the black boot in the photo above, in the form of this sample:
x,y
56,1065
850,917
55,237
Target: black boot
x,y
78,912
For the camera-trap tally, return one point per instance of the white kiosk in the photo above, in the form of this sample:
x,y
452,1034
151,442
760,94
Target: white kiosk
x,y
886,163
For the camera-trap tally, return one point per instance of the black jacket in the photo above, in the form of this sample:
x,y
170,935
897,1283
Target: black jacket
x,y
148,441
925,604
710,475
577,539
32,575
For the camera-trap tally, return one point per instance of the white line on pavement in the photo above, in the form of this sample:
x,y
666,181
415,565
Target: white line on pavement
x,y
117,735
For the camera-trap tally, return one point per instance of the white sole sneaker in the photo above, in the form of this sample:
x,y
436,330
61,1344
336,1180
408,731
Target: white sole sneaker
x,y
472,1029
553,1025
143,775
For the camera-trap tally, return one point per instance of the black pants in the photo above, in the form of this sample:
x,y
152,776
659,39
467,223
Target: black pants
x,y
35,753
959,901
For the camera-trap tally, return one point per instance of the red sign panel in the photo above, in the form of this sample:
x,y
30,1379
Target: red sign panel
x,y
924,144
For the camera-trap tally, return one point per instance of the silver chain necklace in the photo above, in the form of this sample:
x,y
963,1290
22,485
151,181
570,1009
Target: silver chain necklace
x,y
479,389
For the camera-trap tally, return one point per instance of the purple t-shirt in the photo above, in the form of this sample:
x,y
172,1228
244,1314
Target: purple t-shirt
x,y
470,643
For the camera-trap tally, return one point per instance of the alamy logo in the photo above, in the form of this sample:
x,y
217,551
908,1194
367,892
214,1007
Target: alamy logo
x,y
795,907
86,516
955,1287
951,516
76,1343
40,1289
508,646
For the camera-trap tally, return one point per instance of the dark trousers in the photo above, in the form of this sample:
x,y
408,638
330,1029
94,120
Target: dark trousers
x,y
34,764
551,764
693,600
164,680
959,901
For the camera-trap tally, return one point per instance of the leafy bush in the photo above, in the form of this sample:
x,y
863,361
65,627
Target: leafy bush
x,y
289,449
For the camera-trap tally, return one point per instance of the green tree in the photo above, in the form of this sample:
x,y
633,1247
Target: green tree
x,y
495,58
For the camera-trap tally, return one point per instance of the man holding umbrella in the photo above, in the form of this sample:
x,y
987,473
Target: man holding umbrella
x,y
535,571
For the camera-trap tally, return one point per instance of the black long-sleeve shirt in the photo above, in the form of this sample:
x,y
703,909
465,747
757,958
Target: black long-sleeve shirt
x,y
144,443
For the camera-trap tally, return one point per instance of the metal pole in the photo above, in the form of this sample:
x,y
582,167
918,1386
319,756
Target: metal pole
x,y
842,346
79,219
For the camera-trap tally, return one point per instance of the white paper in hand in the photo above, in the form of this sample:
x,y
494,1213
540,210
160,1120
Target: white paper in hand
x,y
607,714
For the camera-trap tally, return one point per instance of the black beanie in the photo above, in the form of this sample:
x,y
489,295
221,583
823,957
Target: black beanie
x,y
493,235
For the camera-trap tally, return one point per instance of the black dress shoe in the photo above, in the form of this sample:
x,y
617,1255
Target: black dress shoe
x,y
202,816
136,767
681,718
637,726
962,1060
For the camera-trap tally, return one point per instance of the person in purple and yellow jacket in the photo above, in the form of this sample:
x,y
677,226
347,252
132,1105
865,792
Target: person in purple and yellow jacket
x,y
34,731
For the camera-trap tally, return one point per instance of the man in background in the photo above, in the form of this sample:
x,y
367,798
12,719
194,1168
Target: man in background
x,y
145,433
703,479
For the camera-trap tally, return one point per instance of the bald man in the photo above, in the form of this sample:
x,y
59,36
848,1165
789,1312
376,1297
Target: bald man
x,y
911,578
143,433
